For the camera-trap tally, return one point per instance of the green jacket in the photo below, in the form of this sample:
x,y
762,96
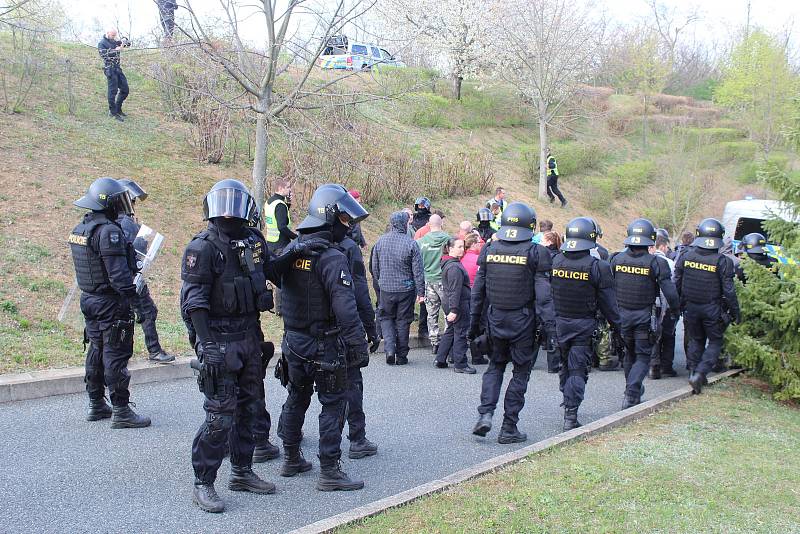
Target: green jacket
x,y
431,246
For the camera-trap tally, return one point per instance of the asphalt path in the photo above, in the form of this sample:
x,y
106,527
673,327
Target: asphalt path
x,y
60,473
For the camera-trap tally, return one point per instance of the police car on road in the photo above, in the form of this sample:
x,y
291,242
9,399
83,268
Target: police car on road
x,y
342,53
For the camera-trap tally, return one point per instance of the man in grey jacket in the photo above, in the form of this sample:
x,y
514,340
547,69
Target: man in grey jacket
x,y
396,264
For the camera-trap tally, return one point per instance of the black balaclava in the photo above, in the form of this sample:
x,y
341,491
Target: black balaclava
x,y
339,231
232,227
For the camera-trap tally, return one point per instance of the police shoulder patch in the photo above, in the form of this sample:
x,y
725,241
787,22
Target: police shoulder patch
x,y
344,279
113,238
191,261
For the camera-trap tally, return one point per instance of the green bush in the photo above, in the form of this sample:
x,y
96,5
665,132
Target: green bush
x,y
707,136
750,170
578,158
632,176
491,107
768,340
736,151
599,192
429,111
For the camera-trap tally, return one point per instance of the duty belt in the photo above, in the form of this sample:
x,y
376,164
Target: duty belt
x,y
319,333
233,336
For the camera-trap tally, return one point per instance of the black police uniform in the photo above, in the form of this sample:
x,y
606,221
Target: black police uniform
x,y
511,277
117,82
638,276
704,279
356,421
146,309
104,266
582,286
224,276
319,326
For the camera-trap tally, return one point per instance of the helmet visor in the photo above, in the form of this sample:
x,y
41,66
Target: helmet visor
x,y
351,207
136,191
229,202
121,203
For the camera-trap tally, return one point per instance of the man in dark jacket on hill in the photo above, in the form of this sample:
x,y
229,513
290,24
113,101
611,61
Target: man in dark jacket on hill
x,y
397,265
109,49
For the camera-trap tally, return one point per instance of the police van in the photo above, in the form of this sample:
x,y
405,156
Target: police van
x,y
742,217
342,53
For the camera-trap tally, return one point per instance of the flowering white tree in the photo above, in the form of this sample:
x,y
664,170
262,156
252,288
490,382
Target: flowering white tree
x,y
455,29
545,49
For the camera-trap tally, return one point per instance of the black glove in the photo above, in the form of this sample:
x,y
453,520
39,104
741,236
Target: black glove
x,y
212,356
618,339
675,315
374,342
737,317
312,246
357,356
474,331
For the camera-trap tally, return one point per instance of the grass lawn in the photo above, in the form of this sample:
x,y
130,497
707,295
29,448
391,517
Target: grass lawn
x,y
726,461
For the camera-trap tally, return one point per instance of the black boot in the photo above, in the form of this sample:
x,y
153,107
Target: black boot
x,y
294,462
629,401
401,360
98,409
669,372
205,496
332,478
696,381
265,451
243,479
124,417
361,449
655,372
612,365
161,357
510,434
480,360
390,359
571,418
484,424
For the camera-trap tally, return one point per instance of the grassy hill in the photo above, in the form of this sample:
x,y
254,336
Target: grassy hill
x,y
50,157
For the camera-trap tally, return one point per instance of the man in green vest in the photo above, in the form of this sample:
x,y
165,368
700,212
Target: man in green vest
x,y
552,181
277,220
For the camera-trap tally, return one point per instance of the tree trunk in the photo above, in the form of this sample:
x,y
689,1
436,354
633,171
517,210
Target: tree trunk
x,y
644,126
260,160
457,87
542,157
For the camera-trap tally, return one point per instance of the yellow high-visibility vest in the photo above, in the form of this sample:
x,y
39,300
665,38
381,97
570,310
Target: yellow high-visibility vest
x,y
270,223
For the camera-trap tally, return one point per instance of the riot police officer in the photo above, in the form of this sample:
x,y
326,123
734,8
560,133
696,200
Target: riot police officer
x,y
485,229
513,276
360,446
638,276
582,286
104,267
704,279
323,339
753,245
224,273
146,310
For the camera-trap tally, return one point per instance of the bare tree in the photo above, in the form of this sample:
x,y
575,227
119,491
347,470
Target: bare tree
x,y
454,28
546,48
277,75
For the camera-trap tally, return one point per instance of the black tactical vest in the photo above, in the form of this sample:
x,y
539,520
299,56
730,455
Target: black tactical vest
x,y
509,278
241,288
635,281
574,290
89,268
700,283
304,300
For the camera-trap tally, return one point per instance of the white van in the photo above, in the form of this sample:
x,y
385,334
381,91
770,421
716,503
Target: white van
x,y
346,54
742,217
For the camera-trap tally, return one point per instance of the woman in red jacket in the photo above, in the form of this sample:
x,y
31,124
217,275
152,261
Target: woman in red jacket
x,y
472,246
